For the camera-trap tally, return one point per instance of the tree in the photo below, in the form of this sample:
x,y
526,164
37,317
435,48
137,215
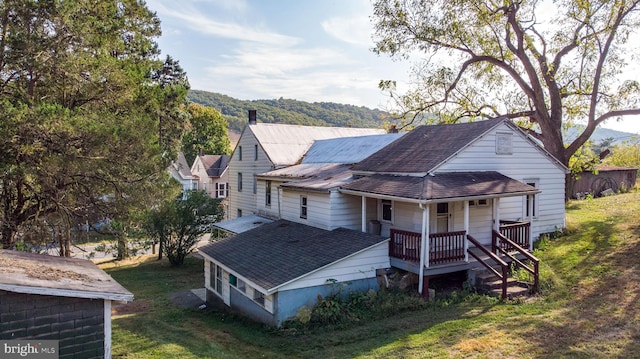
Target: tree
x,y
487,59
178,224
76,135
207,132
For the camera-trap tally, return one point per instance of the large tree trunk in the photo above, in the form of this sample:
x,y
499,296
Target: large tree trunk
x,y
8,236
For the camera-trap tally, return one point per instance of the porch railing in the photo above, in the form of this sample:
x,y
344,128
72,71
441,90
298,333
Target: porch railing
x,y
518,232
444,247
534,261
503,274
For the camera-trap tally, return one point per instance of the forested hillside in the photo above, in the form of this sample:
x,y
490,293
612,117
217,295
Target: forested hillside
x,y
289,111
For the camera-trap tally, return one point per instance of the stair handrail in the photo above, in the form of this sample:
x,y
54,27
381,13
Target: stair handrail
x,y
534,271
503,265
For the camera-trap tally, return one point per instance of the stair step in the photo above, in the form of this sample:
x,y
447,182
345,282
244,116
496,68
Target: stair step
x,y
497,283
512,292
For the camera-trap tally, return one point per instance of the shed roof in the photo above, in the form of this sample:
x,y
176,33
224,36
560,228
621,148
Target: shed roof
x,y
441,186
242,224
425,147
312,176
32,273
280,252
286,144
348,150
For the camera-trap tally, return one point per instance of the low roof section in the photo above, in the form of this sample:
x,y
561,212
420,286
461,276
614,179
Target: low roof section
x,y
242,224
31,273
280,252
286,144
441,187
311,176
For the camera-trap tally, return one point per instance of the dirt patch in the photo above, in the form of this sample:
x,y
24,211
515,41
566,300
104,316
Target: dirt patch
x,y
136,306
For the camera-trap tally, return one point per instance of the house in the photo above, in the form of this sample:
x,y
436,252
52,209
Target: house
x,y
211,172
264,147
270,272
449,198
57,298
605,179
181,171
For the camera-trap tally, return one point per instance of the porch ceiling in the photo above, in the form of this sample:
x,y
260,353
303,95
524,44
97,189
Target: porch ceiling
x,y
452,185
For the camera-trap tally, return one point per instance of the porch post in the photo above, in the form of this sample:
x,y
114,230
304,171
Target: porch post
x,y
531,199
466,229
364,214
496,219
424,245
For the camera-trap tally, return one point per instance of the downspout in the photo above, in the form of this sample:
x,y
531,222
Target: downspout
x,y
424,244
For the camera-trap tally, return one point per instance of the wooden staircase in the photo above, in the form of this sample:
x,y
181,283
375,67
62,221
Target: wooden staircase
x,y
487,282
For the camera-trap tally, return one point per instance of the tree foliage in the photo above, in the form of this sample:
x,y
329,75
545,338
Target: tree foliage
x,y
626,154
289,111
77,138
179,224
488,58
207,132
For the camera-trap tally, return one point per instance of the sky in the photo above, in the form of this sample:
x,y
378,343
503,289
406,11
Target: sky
x,y
308,50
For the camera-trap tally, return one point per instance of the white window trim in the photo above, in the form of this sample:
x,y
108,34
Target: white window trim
x,y
504,143
380,208
536,205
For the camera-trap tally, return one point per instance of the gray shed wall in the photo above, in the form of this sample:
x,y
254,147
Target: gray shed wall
x,y
77,323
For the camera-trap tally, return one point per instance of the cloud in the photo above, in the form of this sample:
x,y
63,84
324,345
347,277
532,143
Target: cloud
x,y
353,30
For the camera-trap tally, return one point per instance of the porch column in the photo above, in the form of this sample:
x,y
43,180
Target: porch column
x,y
531,203
424,245
466,229
496,218
364,214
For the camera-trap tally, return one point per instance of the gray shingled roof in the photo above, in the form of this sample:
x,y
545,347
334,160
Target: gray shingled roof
x,y
441,186
182,166
215,164
425,147
279,252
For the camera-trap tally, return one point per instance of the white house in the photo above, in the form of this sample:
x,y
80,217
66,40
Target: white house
x,y
211,172
440,194
181,171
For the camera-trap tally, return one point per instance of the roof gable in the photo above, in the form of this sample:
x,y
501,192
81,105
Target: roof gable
x,y
286,144
215,165
181,166
279,252
421,150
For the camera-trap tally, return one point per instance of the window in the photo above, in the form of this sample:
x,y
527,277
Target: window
x,y
233,280
387,210
255,185
255,152
239,153
242,286
442,218
239,213
479,203
504,144
527,204
221,190
303,206
215,279
194,186
258,297
267,194
240,182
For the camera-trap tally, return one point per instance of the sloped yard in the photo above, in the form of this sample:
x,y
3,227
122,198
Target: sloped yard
x,y
589,308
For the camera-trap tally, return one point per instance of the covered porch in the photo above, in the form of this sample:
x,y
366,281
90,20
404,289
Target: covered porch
x,y
446,222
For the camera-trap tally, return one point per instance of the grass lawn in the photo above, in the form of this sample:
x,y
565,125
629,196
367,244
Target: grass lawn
x,y
589,308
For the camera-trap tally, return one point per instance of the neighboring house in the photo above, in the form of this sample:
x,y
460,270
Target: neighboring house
x,y
56,298
604,180
181,171
269,272
436,192
264,147
212,174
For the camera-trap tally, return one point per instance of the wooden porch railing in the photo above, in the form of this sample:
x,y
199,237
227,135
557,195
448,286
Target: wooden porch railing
x,y
514,247
443,247
518,232
504,267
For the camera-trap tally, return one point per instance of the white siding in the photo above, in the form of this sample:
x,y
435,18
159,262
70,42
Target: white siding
x,y
245,200
318,208
360,266
346,211
525,163
272,211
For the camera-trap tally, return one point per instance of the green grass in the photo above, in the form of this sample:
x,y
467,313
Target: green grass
x,y
589,308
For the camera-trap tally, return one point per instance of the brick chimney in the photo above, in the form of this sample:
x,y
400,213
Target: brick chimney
x,y
252,117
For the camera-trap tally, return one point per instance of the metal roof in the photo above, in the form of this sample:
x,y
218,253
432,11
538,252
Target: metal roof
x,y
31,273
348,149
286,144
242,224
317,176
